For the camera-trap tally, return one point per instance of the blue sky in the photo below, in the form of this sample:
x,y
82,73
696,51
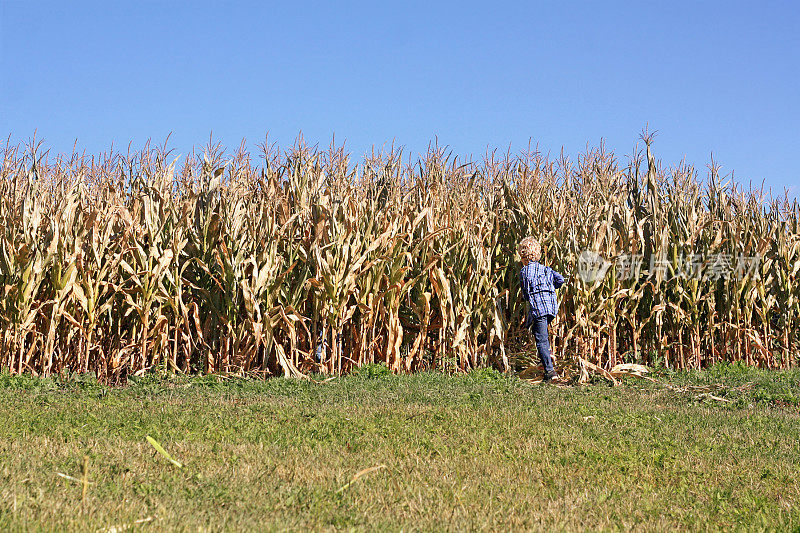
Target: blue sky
x,y
721,77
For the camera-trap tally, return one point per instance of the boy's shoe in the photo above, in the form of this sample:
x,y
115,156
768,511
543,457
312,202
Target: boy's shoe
x,y
550,376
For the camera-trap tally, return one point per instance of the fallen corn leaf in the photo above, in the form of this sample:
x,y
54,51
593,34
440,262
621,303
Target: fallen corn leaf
x,y
125,527
359,474
603,372
65,476
162,451
631,368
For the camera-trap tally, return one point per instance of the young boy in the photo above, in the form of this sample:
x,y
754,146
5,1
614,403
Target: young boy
x,y
539,284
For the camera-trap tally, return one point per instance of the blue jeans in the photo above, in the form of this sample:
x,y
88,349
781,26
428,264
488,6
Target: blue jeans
x,y
538,328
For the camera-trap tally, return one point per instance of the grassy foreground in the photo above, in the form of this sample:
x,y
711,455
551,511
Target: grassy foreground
x,y
481,451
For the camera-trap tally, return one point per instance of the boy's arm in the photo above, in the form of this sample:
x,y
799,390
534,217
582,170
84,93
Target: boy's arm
x,y
558,279
523,284
525,296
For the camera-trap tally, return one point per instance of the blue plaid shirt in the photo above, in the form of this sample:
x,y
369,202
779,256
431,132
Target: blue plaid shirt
x,y
539,284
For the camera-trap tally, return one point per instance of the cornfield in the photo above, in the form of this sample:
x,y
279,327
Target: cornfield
x,y
307,262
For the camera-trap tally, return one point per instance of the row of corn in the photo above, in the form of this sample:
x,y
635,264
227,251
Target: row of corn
x,y
305,261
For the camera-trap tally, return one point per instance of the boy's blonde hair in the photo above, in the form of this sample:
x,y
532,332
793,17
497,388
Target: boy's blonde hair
x,y
529,249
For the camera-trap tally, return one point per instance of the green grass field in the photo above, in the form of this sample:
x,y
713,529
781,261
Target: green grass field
x,y
476,451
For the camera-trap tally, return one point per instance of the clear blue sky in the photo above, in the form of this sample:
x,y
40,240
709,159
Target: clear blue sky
x,y
721,77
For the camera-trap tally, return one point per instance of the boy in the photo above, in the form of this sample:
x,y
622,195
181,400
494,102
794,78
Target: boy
x,y
539,284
